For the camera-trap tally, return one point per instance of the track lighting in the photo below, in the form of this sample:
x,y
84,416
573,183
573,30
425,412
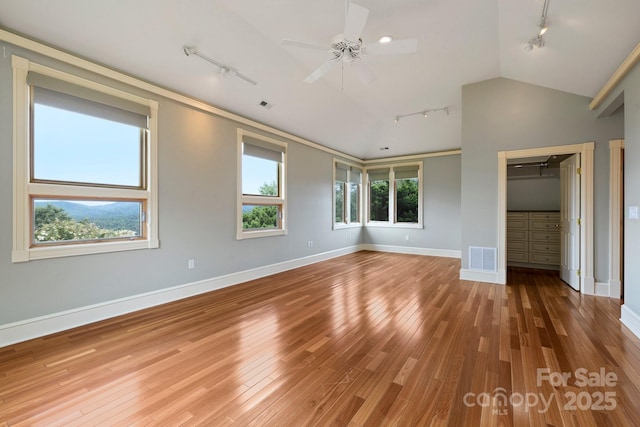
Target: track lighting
x,y
224,69
538,41
423,113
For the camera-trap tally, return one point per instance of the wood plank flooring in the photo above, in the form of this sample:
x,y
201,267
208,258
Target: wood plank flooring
x,y
364,339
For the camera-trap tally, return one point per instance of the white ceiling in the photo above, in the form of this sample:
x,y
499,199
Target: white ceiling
x,y
459,42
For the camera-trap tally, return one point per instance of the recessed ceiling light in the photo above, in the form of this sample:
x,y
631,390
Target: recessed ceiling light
x,y
385,39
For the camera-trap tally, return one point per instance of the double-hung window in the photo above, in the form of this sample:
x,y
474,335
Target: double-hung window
x,y
84,166
347,184
395,195
261,182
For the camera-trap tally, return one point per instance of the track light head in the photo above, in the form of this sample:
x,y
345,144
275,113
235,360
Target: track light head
x,y
538,41
396,119
425,114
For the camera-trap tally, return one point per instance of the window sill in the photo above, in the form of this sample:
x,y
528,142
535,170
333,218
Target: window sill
x,y
259,233
393,225
341,226
46,252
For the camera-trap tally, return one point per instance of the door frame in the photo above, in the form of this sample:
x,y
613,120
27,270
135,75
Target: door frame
x,y
616,147
587,280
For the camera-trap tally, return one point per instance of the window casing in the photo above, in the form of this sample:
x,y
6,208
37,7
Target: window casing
x,y
394,196
262,203
347,184
80,143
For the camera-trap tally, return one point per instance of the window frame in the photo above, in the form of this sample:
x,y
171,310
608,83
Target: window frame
x,y
392,222
26,188
347,223
248,199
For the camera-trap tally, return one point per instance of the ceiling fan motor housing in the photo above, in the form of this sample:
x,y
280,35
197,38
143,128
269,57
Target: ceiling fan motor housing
x,y
346,50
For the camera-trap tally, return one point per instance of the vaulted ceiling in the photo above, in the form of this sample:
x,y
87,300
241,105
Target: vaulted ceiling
x,y
459,42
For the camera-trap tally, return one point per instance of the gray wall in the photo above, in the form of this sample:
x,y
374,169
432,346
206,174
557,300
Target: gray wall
x,y
197,215
503,114
630,86
533,194
441,215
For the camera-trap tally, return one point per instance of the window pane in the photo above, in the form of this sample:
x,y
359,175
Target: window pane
x,y
73,147
407,200
379,200
66,221
339,193
259,176
255,217
354,202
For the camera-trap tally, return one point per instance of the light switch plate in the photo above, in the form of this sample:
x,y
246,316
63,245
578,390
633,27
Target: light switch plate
x,y
633,212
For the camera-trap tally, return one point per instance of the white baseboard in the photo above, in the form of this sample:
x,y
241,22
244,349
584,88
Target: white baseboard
x,y
410,250
24,330
630,319
480,276
589,286
615,287
602,289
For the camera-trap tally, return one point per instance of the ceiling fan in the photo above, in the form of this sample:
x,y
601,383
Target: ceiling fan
x,y
349,48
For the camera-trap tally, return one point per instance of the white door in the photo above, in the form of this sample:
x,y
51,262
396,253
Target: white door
x,y
570,221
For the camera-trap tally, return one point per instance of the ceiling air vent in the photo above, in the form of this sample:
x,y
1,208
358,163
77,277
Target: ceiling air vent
x,y
483,259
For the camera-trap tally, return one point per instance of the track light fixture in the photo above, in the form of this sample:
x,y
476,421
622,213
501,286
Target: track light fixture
x,y
423,113
224,69
538,41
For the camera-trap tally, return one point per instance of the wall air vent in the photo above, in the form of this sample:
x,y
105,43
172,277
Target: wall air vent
x,y
483,259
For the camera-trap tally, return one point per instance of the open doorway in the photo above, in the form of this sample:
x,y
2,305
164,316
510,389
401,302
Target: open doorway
x,y
585,277
543,215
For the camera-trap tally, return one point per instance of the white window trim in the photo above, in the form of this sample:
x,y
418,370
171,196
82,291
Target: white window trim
x,y
22,187
392,202
242,234
349,224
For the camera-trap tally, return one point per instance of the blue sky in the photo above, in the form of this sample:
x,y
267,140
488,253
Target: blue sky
x,y
75,147
256,172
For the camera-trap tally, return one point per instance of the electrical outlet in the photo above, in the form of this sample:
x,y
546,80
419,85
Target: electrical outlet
x,y
191,264
310,244
406,237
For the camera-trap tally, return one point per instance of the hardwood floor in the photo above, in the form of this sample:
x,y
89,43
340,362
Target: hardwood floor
x,y
364,339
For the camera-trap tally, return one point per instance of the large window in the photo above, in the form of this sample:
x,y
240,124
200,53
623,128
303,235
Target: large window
x,y
261,178
84,166
346,194
395,195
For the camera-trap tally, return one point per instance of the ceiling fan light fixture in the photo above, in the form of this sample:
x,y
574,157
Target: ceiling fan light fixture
x,y
385,39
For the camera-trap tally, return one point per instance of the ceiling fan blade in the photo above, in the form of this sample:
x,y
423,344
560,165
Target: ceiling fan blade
x,y
320,71
393,48
363,71
355,22
304,45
